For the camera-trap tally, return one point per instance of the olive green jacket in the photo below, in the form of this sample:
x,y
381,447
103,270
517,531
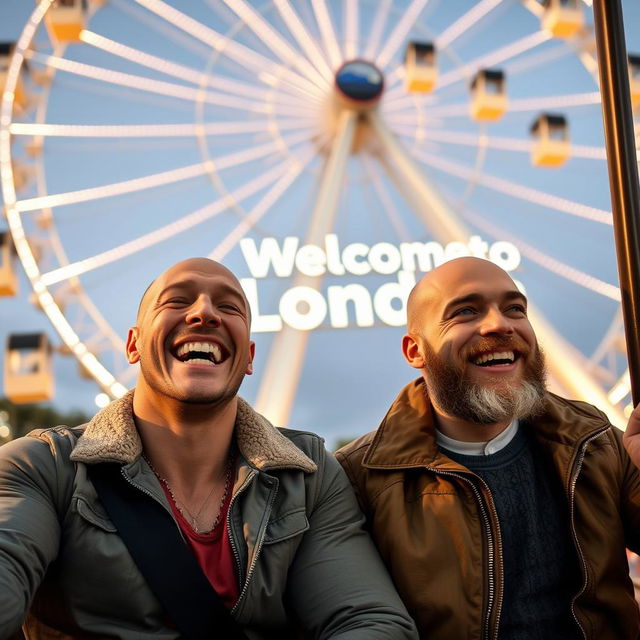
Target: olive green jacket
x,y
303,559
437,529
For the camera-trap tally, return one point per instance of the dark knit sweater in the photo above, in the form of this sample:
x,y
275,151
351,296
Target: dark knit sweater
x,y
540,567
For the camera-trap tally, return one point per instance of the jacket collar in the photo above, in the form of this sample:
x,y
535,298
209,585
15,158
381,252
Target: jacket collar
x,y
406,437
112,436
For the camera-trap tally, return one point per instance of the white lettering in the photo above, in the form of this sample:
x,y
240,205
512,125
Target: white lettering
x,y
349,255
384,258
303,308
430,255
384,296
338,299
259,324
269,253
311,260
455,250
333,254
505,255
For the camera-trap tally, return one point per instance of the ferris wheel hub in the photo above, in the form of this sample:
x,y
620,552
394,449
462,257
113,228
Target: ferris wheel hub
x,y
359,83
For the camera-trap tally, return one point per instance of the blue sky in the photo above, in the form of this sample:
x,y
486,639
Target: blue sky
x,y
349,375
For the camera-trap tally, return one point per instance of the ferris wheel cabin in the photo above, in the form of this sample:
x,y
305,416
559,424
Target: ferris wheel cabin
x,y
66,19
551,145
8,277
20,95
420,70
27,368
488,95
562,18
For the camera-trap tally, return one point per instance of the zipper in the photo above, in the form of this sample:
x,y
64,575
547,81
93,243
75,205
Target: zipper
x,y
490,554
572,490
234,547
256,554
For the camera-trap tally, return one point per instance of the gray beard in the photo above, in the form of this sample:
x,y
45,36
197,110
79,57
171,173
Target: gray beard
x,y
452,393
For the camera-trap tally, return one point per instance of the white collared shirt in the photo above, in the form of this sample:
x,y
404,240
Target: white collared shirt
x,y
479,448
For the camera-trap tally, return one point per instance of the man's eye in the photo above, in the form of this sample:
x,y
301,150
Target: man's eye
x,y
518,308
466,311
174,301
227,306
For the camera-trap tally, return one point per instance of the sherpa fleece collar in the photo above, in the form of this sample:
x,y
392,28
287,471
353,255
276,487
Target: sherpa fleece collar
x,y
111,436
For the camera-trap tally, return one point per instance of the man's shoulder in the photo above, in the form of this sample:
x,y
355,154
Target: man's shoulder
x,y
355,450
308,442
57,439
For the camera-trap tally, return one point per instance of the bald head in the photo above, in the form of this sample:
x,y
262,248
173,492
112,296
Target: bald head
x,y
180,270
441,282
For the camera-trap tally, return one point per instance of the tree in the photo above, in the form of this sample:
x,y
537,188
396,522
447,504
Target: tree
x,y
22,418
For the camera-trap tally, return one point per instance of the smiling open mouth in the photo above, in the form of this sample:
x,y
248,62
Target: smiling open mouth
x,y
495,358
200,353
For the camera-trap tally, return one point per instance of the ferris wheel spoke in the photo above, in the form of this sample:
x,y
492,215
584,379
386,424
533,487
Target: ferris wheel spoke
x,y
545,103
495,57
400,32
327,32
166,232
264,205
141,83
464,22
379,21
182,72
275,41
517,190
414,185
551,264
114,189
385,199
160,179
351,29
495,142
305,40
453,31
153,130
267,70
284,364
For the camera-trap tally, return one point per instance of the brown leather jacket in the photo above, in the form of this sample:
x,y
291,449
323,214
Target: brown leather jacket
x,y
438,533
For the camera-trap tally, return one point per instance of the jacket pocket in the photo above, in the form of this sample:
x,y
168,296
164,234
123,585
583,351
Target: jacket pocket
x,y
95,515
286,526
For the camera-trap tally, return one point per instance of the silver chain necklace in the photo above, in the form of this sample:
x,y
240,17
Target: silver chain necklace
x,y
193,519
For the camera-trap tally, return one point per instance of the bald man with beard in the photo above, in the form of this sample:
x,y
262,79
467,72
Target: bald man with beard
x,y
501,509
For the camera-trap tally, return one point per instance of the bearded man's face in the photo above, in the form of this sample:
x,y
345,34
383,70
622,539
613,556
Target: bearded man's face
x,y
490,401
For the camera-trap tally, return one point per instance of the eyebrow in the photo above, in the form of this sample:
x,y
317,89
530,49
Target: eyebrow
x,y
477,297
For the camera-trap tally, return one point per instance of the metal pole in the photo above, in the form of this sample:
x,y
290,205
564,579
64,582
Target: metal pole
x,y
623,170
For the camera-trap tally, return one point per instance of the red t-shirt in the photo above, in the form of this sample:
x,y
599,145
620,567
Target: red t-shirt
x,y
212,550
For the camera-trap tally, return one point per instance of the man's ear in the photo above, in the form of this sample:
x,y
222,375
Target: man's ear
x,y
133,355
411,351
252,353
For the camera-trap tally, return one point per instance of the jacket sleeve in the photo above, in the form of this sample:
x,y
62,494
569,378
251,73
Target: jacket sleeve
x,y
630,494
30,489
338,586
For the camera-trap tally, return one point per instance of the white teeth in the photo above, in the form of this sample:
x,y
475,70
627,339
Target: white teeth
x,y
201,347
200,361
502,355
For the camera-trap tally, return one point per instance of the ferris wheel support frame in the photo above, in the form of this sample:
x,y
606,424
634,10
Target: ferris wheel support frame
x,y
623,171
284,363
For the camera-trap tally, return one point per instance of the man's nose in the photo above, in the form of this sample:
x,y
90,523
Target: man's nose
x,y
203,311
494,321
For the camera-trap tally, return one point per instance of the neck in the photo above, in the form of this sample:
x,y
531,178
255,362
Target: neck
x,y
188,444
464,431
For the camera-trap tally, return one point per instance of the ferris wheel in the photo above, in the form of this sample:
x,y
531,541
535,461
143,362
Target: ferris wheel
x,y
329,152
